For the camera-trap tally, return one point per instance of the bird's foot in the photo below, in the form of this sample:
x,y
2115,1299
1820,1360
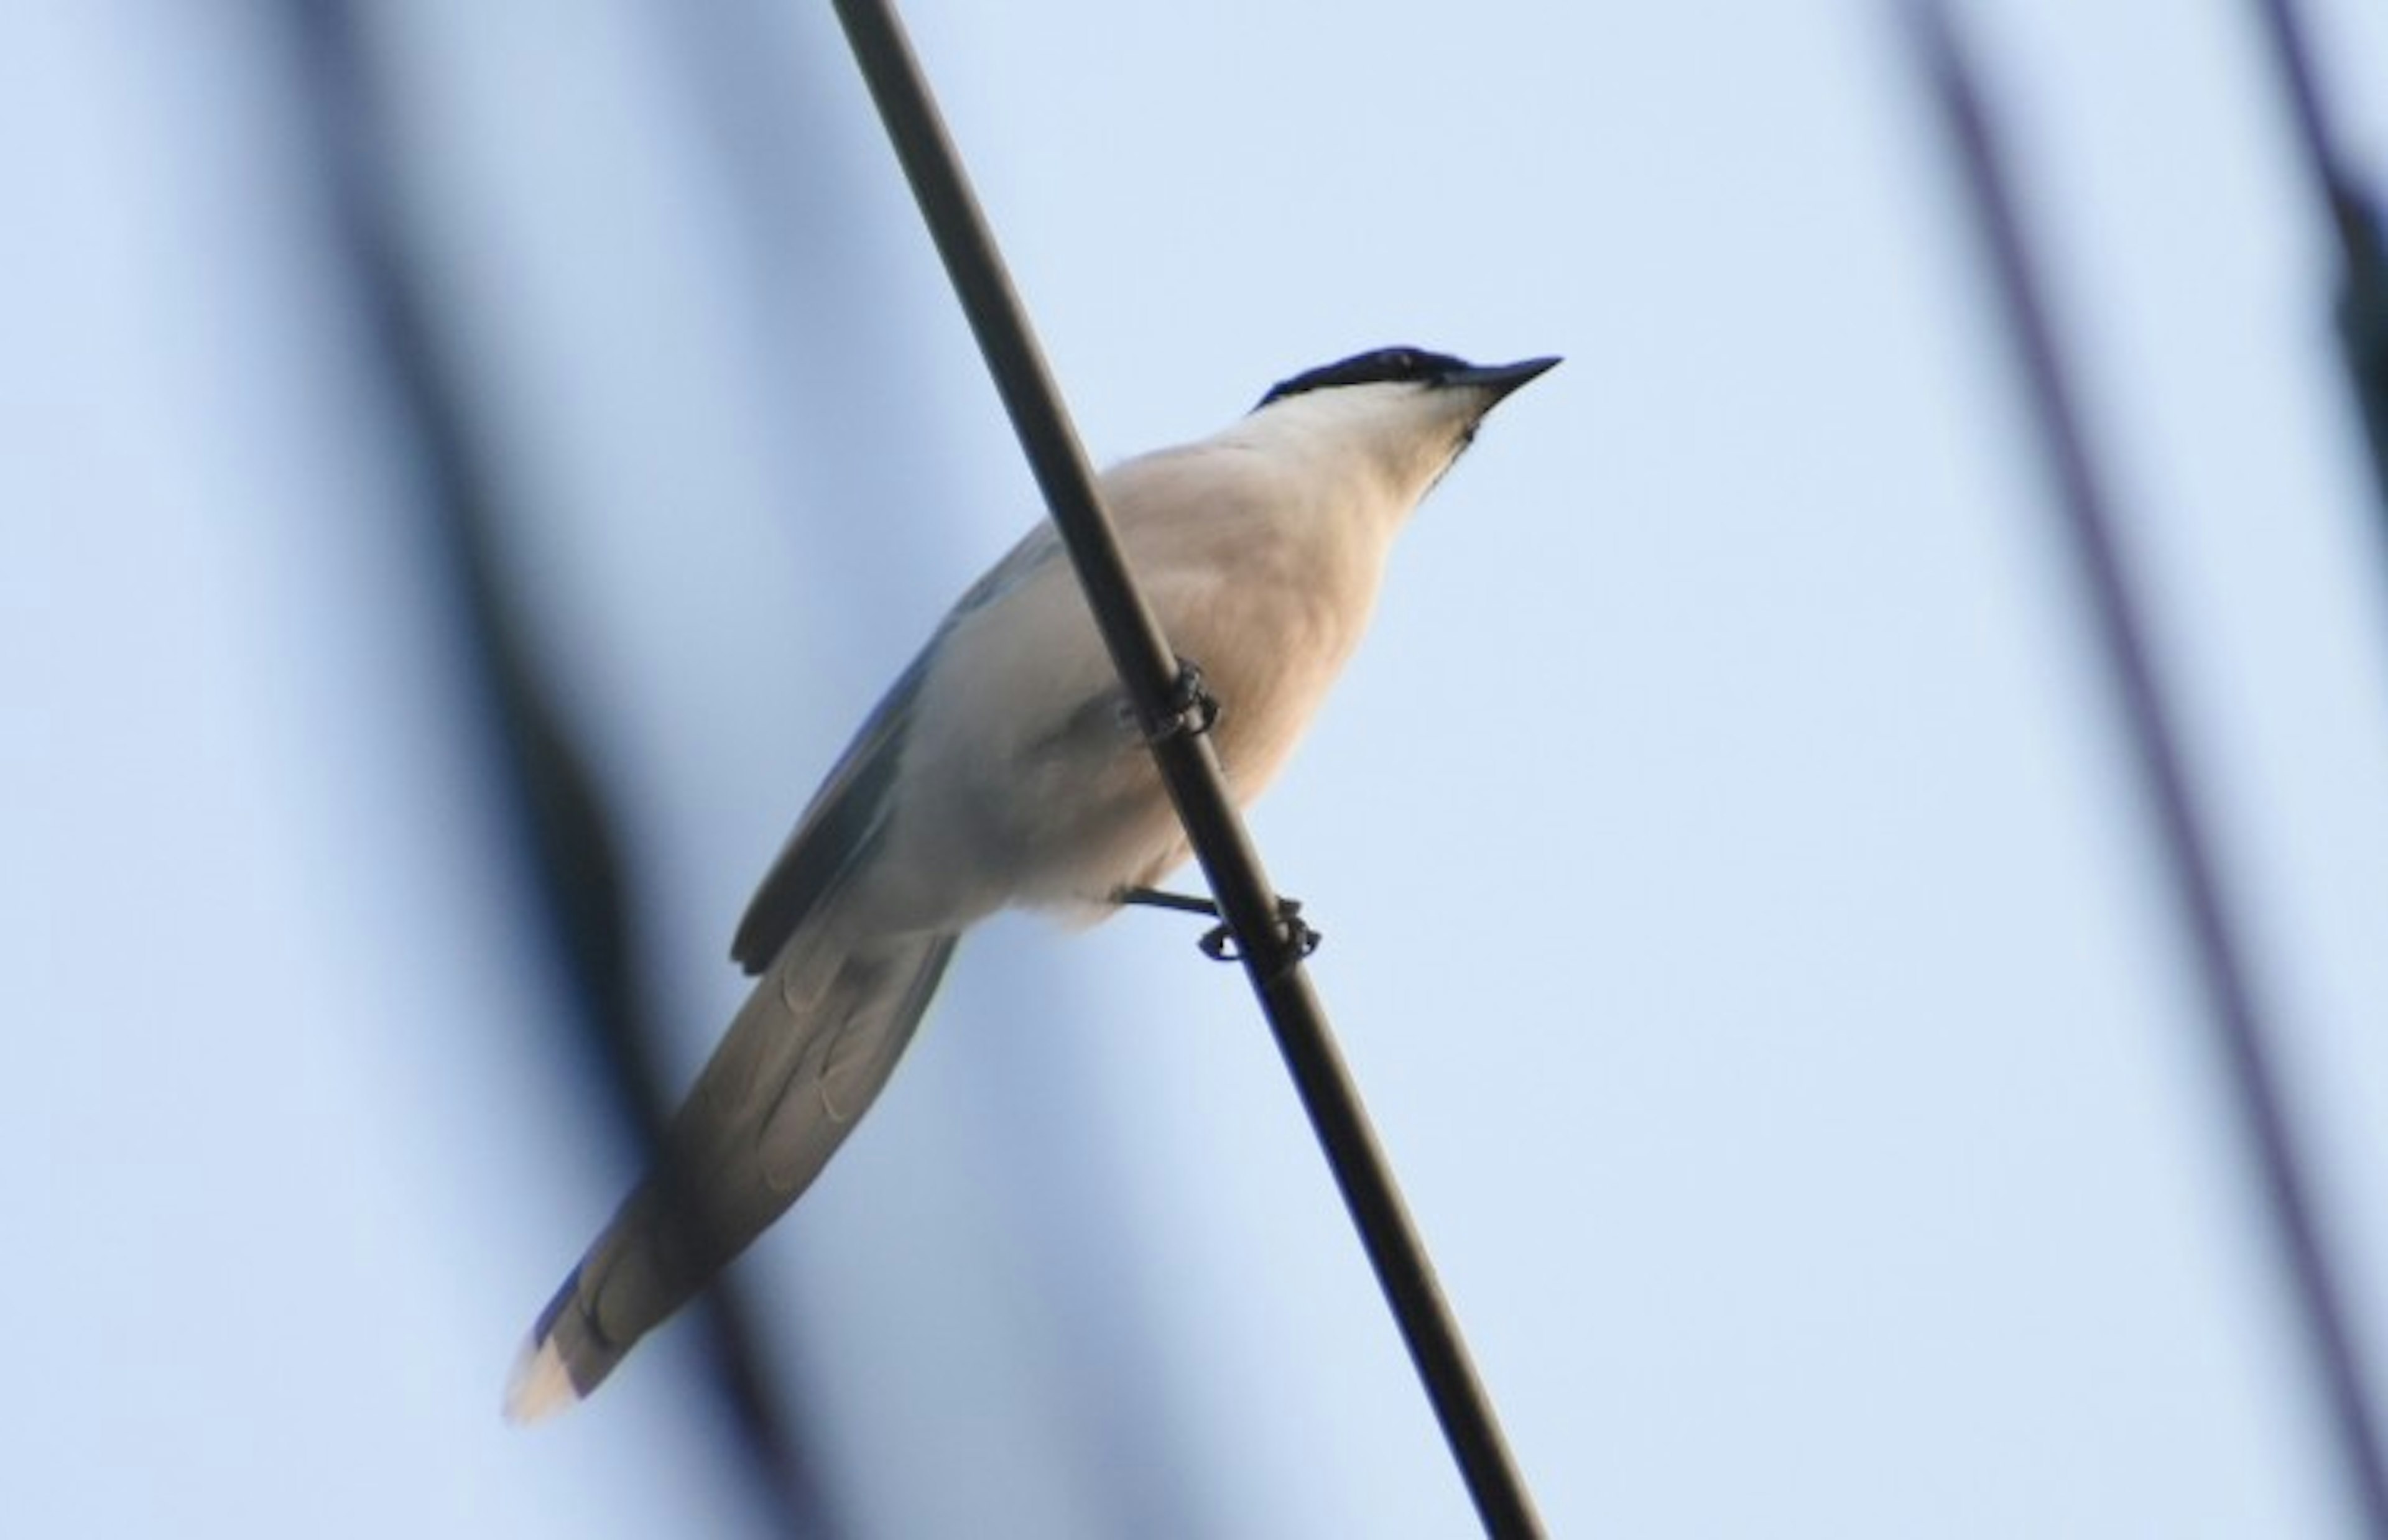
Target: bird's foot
x,y
1189,710
1218,943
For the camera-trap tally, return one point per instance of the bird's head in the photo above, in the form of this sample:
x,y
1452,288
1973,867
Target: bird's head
x,y
1408,411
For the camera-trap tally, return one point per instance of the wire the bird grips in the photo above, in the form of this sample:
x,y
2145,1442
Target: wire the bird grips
x,y
1218,943
1206,807
1190,710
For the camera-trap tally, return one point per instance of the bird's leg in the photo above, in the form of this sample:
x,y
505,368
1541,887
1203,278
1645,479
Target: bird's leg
x,y
1219,942
1190,710
1156,897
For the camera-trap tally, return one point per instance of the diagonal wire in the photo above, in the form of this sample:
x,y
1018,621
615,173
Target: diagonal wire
x,y
566,847
2354,219
2242,1034
1190,768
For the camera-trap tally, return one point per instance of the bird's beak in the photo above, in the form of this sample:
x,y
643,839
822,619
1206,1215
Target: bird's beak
x,y
1500,378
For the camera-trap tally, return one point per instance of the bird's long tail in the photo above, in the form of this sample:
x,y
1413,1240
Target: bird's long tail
x,y
803,1061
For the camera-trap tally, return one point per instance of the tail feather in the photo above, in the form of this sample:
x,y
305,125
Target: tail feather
x,y
540,1386
803,1060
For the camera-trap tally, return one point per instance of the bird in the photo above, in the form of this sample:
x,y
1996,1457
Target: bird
x,y
1003,769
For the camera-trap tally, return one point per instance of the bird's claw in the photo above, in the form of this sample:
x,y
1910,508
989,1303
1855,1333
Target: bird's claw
x,y
1218,943
1190,710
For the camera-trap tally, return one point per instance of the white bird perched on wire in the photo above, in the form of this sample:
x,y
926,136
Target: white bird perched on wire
x,y
1005,768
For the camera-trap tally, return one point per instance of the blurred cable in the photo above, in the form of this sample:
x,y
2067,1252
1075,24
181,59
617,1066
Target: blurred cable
x,y
2087,522
566,847
2354,219
1188,764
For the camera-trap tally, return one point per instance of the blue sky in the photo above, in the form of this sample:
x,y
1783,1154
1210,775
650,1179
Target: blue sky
x,y
1740,917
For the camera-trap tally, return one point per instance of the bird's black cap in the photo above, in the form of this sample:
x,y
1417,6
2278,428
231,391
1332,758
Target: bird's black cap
x,y
1407,366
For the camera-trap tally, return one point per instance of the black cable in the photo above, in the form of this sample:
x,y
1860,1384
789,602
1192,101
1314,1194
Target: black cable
x,y
2084,514
566,849
1190,768
2363,274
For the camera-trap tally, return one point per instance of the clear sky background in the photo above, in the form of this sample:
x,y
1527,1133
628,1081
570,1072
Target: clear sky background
x,y
1740,917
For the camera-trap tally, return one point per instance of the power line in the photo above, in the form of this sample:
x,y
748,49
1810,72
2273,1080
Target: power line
x,y
2354,220
1190,768
566,845
2087,524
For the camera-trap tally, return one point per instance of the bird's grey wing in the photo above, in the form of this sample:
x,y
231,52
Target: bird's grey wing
x,y
803,1060
849,813
838,830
